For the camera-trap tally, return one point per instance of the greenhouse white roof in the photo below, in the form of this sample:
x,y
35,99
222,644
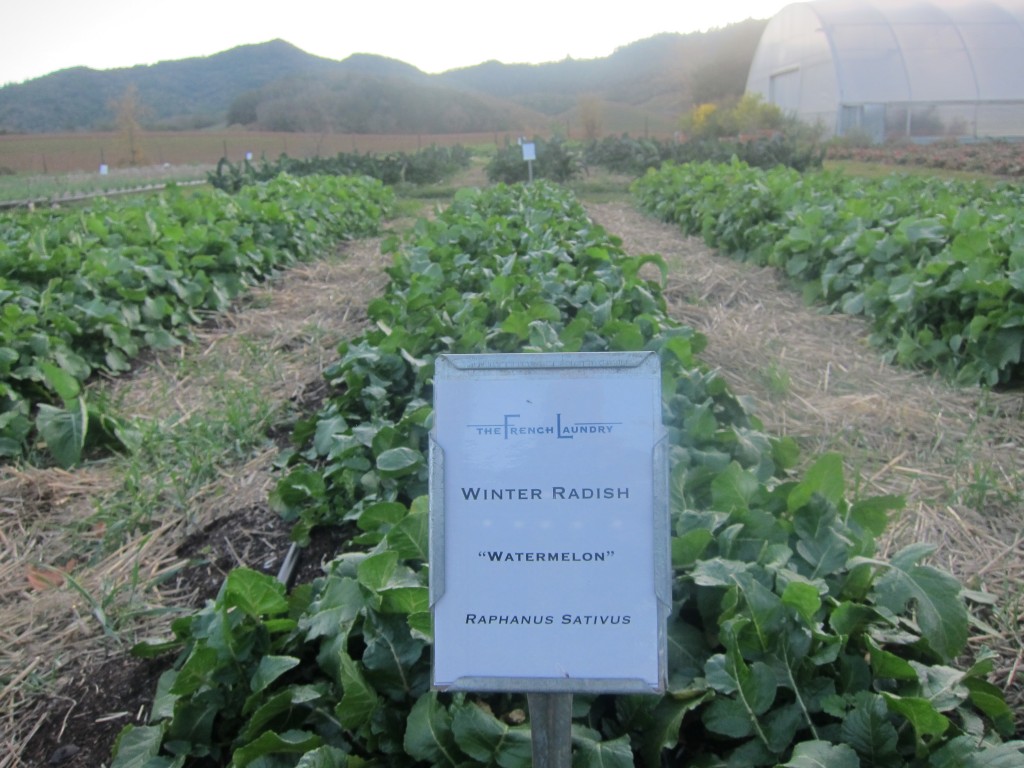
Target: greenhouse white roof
x,y
889,51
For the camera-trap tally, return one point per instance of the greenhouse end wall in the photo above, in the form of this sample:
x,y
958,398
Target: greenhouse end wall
x,y
897,68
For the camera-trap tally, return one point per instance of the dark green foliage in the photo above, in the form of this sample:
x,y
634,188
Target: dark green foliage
x,y
88,289
934,264
791,642
793,150
77,99
622,154
427,166
556,161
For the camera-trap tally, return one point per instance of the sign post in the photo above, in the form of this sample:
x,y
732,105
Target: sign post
x,y
549,553
551,729
529,155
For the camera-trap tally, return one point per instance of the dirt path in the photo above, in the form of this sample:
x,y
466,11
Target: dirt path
x,y
955,455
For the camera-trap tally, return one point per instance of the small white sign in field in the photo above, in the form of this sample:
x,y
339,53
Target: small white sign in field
x,y
549,556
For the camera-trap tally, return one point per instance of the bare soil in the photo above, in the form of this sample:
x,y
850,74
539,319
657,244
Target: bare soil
x,y
955,455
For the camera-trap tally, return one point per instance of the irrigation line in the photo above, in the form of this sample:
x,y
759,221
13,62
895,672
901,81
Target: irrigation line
x,y
288,566
29,203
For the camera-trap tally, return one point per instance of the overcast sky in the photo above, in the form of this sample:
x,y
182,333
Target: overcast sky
x,y
42,36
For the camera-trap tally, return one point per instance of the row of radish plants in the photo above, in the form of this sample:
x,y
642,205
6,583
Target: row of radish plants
x,y
791,642
937,266
85,290
429,165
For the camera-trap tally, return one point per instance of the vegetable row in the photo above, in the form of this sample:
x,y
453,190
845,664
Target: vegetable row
x,y
791,642
85,290
937,266
429,165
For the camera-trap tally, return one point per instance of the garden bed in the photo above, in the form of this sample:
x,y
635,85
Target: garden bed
x,y
953,453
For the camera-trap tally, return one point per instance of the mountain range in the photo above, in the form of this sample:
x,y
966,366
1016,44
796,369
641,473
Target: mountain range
x,y
276,86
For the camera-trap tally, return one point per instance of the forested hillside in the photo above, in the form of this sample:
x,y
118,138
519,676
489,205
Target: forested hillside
x,y
276,86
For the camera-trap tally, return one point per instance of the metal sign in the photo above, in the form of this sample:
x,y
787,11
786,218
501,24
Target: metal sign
x,y
549,554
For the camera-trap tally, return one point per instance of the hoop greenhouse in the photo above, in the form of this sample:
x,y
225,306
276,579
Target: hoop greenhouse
x,y
898,68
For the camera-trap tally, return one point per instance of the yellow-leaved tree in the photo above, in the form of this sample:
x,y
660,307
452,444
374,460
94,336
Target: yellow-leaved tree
x,y
127,113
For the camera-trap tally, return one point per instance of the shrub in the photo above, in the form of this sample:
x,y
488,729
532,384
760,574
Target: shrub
x,y
555,162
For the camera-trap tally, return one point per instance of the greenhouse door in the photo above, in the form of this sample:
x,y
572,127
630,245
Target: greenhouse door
x,y
784,90
867,119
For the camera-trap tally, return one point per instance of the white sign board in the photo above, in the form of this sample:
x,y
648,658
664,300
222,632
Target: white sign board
x,y
549,555
529,151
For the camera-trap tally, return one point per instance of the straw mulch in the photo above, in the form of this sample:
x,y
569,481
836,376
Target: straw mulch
x,y
955,455
51,633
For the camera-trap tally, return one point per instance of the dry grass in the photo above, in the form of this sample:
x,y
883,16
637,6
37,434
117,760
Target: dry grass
x,y
954,454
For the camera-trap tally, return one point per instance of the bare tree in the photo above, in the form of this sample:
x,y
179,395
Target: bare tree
x,y
128,111
590,115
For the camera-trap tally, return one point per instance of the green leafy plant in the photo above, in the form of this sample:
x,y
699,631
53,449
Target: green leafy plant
x,y
793,147
932,263
88,289
426,166
790,641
